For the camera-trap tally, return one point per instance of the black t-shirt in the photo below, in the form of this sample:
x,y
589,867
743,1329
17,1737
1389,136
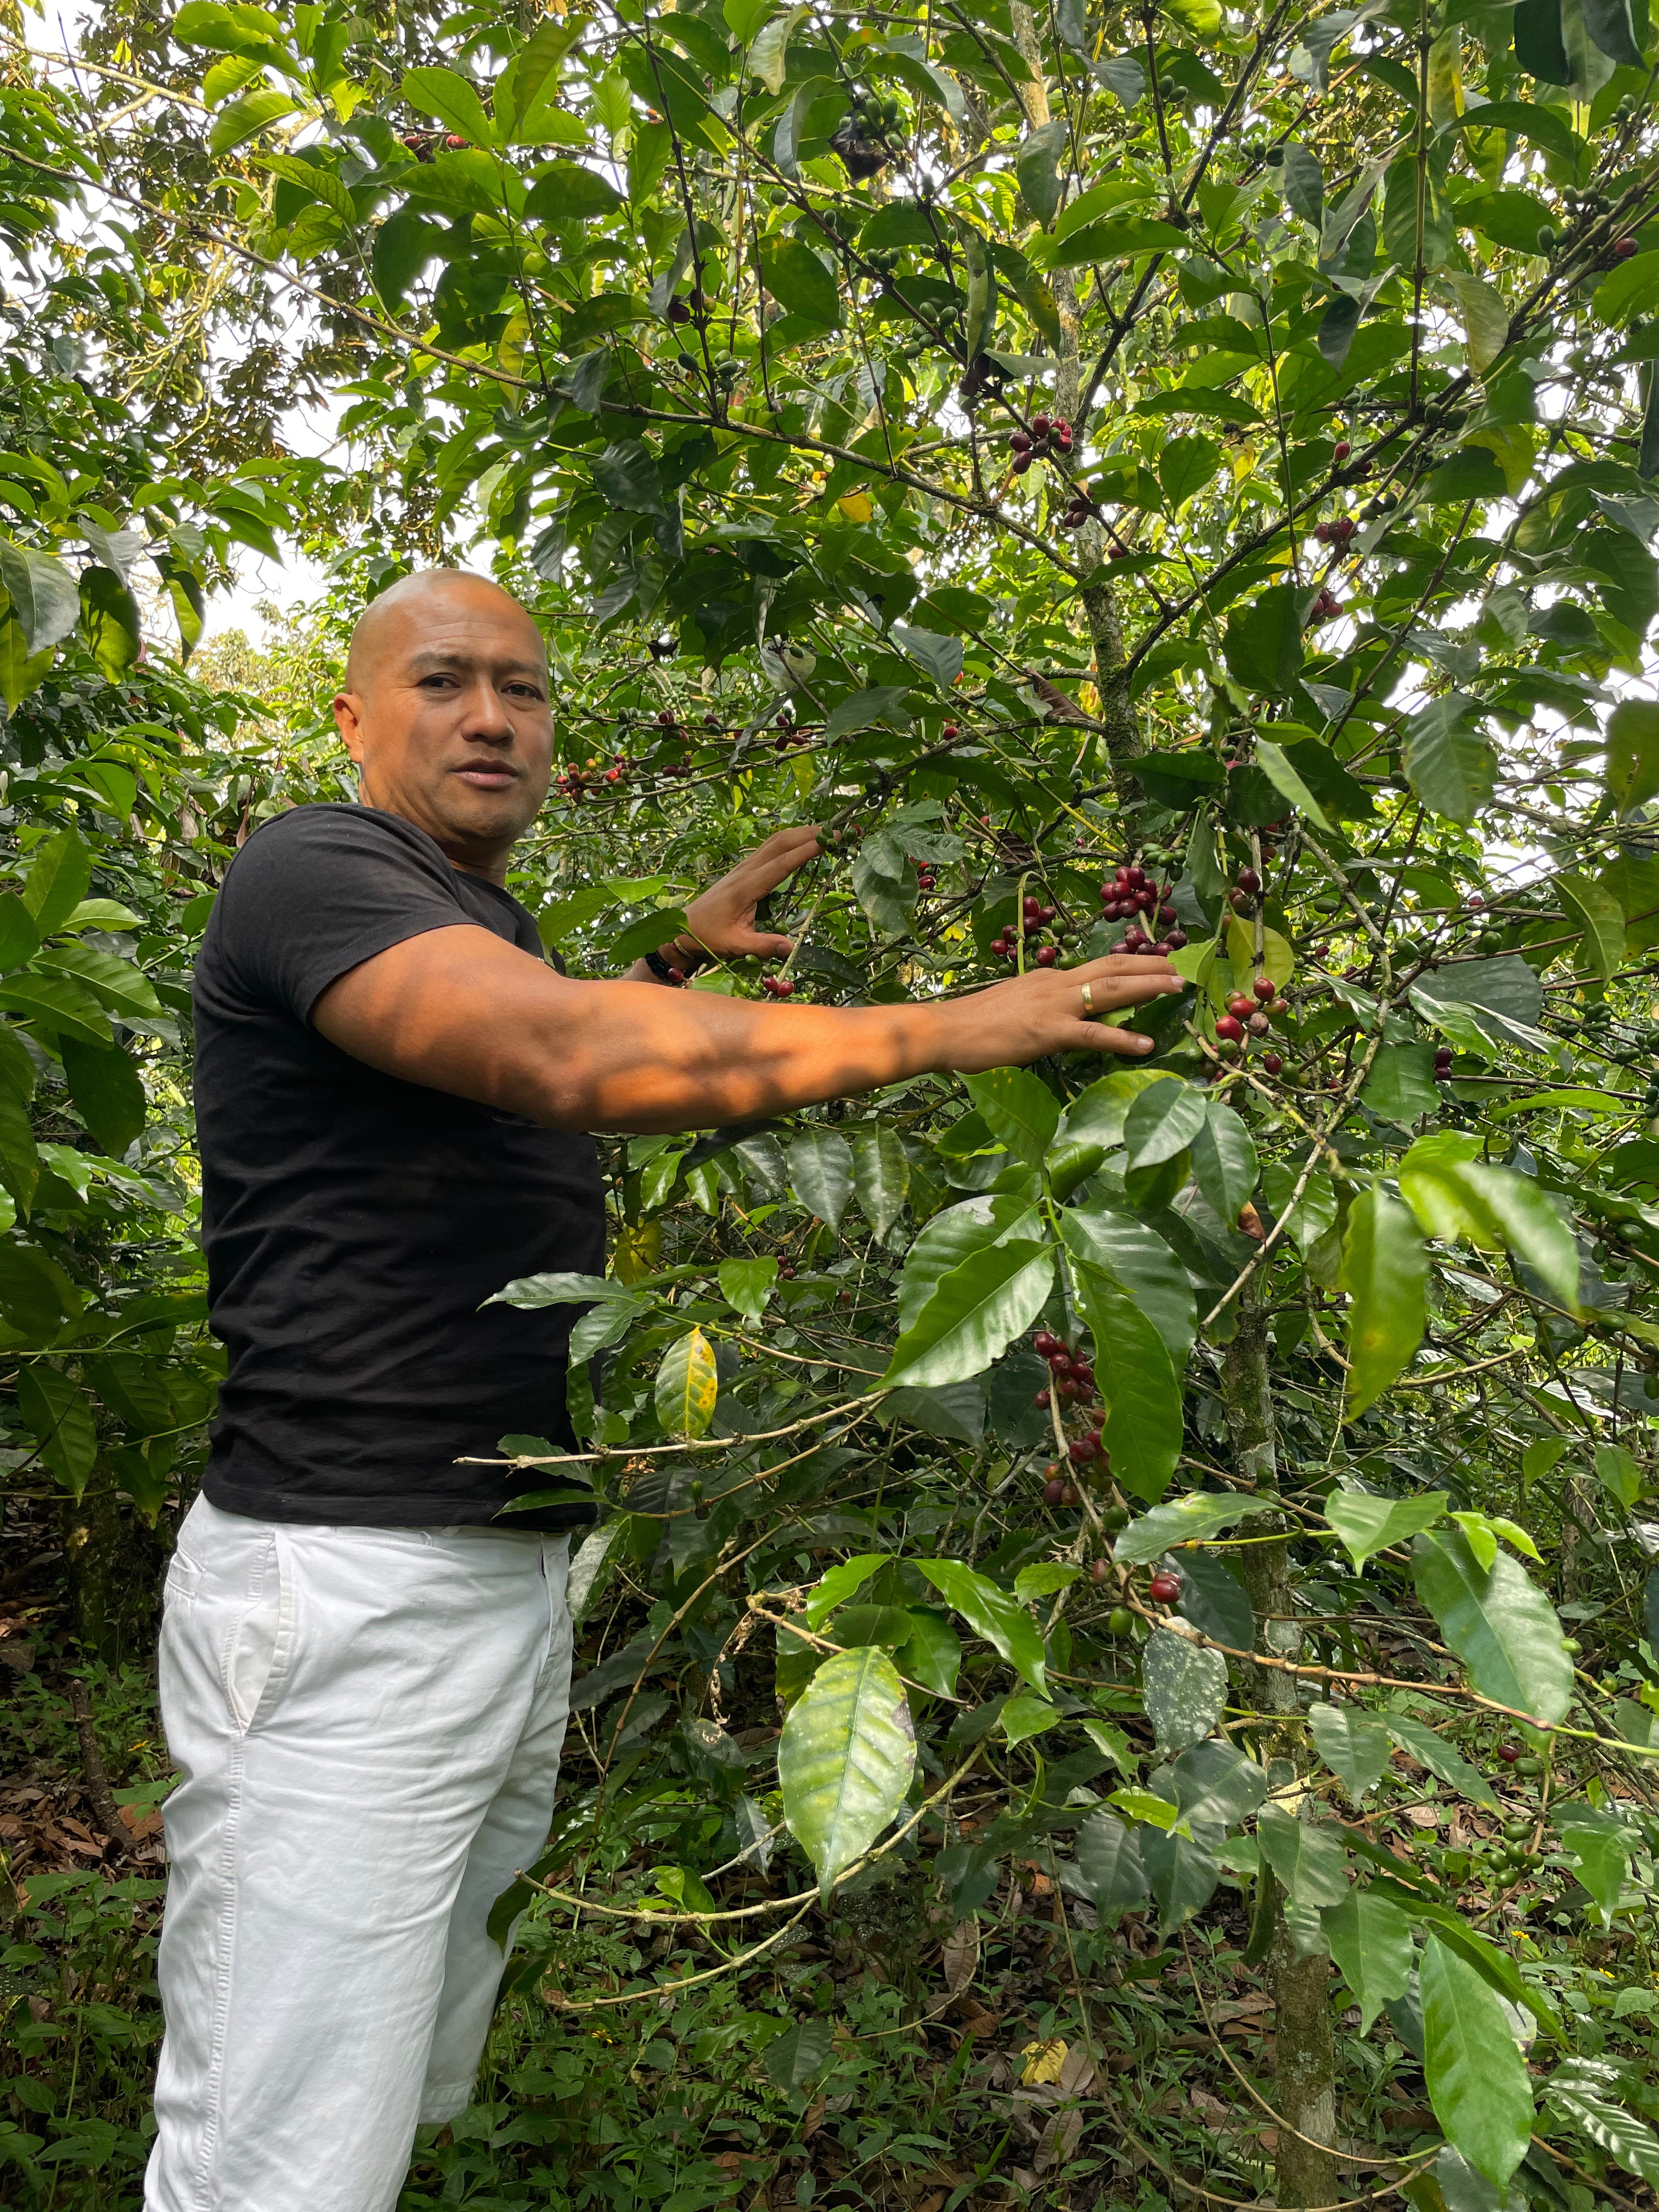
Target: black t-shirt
x,y
354,1223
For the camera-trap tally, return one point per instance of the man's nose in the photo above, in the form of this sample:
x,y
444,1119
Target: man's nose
x,y
486,717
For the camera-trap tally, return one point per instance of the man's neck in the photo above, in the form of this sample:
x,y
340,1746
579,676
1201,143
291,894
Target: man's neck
x,y
467,859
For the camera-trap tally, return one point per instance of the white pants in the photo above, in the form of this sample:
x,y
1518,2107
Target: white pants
x,y
367,1721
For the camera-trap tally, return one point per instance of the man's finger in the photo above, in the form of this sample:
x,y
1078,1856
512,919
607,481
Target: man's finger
x,y
1130,1042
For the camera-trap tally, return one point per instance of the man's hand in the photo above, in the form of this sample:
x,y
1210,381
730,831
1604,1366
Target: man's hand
x,y
1051,1010
722,918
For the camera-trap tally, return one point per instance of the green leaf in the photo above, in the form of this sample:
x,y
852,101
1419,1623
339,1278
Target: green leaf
x,y
747,1285
1213,1599
56,1410
845,1759
1308,1857
45,595
1139,1259
1185,466
1188,1520
1371,1940
109,616
932,1653
108,1092
839,1582
974,1314
1633,771
1111,1870
58,879
1041,1579
1183,1871
1019,1111
1225,1164
1610,25
991,1613
821,1172
1304,185
1450,764
1282,772
1455,1196
881,1176
1185,1687
1215,1785
1134,1376
245,117
1263,645
686,1385
1498,1621
1352,1743
1400,1087
446,95
1385,1270
1037,166
125,989
1601,1846
800,2054
532,1291
954,1236
798,281
1476,2079
1117,239
1368,1525
1163,1122
1097,1115
55,1004
1026,1715
1446,1764
1582,2100
1598,914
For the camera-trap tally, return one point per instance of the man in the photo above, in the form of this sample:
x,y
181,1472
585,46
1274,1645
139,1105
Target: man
x,y
364,1673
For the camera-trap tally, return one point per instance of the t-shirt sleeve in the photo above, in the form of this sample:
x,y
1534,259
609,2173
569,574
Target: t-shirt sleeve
x,y
320,890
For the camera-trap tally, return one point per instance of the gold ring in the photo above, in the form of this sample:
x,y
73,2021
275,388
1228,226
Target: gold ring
x,y
1088,998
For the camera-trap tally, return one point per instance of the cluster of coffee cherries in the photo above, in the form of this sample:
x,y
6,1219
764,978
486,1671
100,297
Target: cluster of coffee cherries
x,y
1326,608
1246,890
423,144
1048,438
576,781
1036,917
1073,1383
778,986
1081,510
1442,1063
788,734
1250,1016
1337,531
681,311
926,880
1132,892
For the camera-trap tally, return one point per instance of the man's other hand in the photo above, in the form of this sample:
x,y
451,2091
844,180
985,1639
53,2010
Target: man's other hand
x,y
722,918
1051,1009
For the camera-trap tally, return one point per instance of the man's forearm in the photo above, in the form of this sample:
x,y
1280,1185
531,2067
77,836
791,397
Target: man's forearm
x,y
460,1010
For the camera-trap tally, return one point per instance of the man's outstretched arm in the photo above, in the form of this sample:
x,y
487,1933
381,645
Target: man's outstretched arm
x,y
460,1010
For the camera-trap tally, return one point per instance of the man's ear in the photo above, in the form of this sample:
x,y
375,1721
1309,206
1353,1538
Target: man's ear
x,y
348,720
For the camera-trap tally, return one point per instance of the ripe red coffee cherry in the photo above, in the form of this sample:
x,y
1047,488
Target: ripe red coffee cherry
x,y
1042,1400
1341,450
1046,1344
1623,248
1509,1752
1083,1449
1047,955
1230,1028
1272,1062
1068,1495
1264,987
456,143
1239,1005
1053,1491
1248,881
951,730
1165,1586
1041,425
1099,1571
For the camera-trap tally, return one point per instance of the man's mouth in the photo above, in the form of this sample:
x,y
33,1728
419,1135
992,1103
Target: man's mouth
x,y
488,775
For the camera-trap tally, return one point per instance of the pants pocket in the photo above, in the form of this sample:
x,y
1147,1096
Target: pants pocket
x,y
183,1580
256,1652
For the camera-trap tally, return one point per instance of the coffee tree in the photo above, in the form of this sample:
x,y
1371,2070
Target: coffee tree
x,y
1177,479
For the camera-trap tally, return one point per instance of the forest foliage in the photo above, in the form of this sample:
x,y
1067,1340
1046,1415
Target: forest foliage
x,y
1177,475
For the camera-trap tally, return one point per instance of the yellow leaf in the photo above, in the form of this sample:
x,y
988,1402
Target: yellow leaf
x,y
686,1385
1044,2062
637,1251
1278,960
856,506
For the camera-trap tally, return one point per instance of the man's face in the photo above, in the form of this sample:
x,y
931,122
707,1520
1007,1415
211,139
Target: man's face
x,y
450,722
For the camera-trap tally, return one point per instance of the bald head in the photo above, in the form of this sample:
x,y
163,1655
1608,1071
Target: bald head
x,y
445,712
402,607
